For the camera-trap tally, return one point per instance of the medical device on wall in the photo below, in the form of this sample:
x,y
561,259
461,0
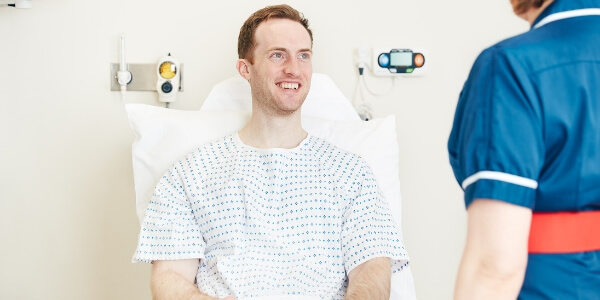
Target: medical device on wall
x,y
16,3
167,84
123,75
398,62
166,77
392,63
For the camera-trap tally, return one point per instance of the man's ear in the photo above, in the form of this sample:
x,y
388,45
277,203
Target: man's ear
x,y
243,68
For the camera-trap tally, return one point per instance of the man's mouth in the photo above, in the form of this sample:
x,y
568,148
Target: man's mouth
x,y
289,86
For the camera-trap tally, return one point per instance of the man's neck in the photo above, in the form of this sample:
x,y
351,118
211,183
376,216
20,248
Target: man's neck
x,y
532,14
273,131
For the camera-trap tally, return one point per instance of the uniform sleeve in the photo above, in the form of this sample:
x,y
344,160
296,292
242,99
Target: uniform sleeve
x,y
170,230
369,230
496,145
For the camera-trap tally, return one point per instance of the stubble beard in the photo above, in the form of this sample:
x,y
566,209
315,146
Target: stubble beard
x,y
272,105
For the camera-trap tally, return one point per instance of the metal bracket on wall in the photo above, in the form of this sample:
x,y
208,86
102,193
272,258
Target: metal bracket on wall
x,y
143,77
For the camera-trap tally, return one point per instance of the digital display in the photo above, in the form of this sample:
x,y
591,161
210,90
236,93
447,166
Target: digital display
x,y
400,59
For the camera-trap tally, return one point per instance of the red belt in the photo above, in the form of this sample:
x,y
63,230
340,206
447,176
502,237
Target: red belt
x,y
565,232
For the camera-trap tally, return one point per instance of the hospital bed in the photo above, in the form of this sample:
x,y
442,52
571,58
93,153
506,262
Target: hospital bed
x,y
163,136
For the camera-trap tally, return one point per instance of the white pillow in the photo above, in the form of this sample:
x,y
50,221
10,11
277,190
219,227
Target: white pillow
x,y
163,136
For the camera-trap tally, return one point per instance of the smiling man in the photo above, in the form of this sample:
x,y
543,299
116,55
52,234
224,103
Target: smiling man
x,y
271,212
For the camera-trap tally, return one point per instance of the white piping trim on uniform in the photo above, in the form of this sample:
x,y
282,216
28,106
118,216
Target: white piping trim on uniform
x,y
568,14
493,175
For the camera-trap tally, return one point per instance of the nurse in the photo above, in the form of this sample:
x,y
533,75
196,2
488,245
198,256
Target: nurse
x,y
525,148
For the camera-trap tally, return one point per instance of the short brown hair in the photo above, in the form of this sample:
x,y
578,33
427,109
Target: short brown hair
x,y
521,6
246,41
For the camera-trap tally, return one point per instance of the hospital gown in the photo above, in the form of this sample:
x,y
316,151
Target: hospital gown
x,y
268,222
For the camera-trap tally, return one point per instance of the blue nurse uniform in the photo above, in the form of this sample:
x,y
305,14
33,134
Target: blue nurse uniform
x,y
527,132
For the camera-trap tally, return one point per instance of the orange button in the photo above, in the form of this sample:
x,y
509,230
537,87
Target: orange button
x,y
419,60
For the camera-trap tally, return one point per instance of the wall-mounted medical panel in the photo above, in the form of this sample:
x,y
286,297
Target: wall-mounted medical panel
x,y
399,62
143,77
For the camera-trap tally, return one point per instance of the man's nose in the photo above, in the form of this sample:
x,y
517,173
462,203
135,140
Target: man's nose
x,y
292,67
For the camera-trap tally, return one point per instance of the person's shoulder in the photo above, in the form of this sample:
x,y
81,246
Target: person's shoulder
x,y
214,148
525,45
326,149
501,48
322,144
519,51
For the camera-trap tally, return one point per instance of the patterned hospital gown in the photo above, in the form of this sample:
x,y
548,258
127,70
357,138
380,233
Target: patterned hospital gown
x,y
269,222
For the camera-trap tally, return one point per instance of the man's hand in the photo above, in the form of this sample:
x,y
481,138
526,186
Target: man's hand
x,y
370,280
174,279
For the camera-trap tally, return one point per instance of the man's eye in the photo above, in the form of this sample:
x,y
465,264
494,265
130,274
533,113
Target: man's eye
x,y
277,55
304,56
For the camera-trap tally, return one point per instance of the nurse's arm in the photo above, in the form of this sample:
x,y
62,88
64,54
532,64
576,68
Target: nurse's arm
x,y
174,279
495,256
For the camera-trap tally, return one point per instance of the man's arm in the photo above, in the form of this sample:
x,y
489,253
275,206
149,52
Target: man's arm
x,y
174,279
495,257
370,280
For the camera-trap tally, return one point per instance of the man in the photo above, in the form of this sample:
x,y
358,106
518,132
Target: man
x,y
271,211
525,147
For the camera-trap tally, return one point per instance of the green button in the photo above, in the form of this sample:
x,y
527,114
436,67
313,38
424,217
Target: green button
x,y
409,70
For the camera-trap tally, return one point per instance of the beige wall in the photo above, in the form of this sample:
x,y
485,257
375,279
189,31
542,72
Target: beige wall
x,y
68,226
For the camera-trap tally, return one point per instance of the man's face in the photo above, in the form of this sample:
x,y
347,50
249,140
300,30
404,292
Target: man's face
x,y
282,69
